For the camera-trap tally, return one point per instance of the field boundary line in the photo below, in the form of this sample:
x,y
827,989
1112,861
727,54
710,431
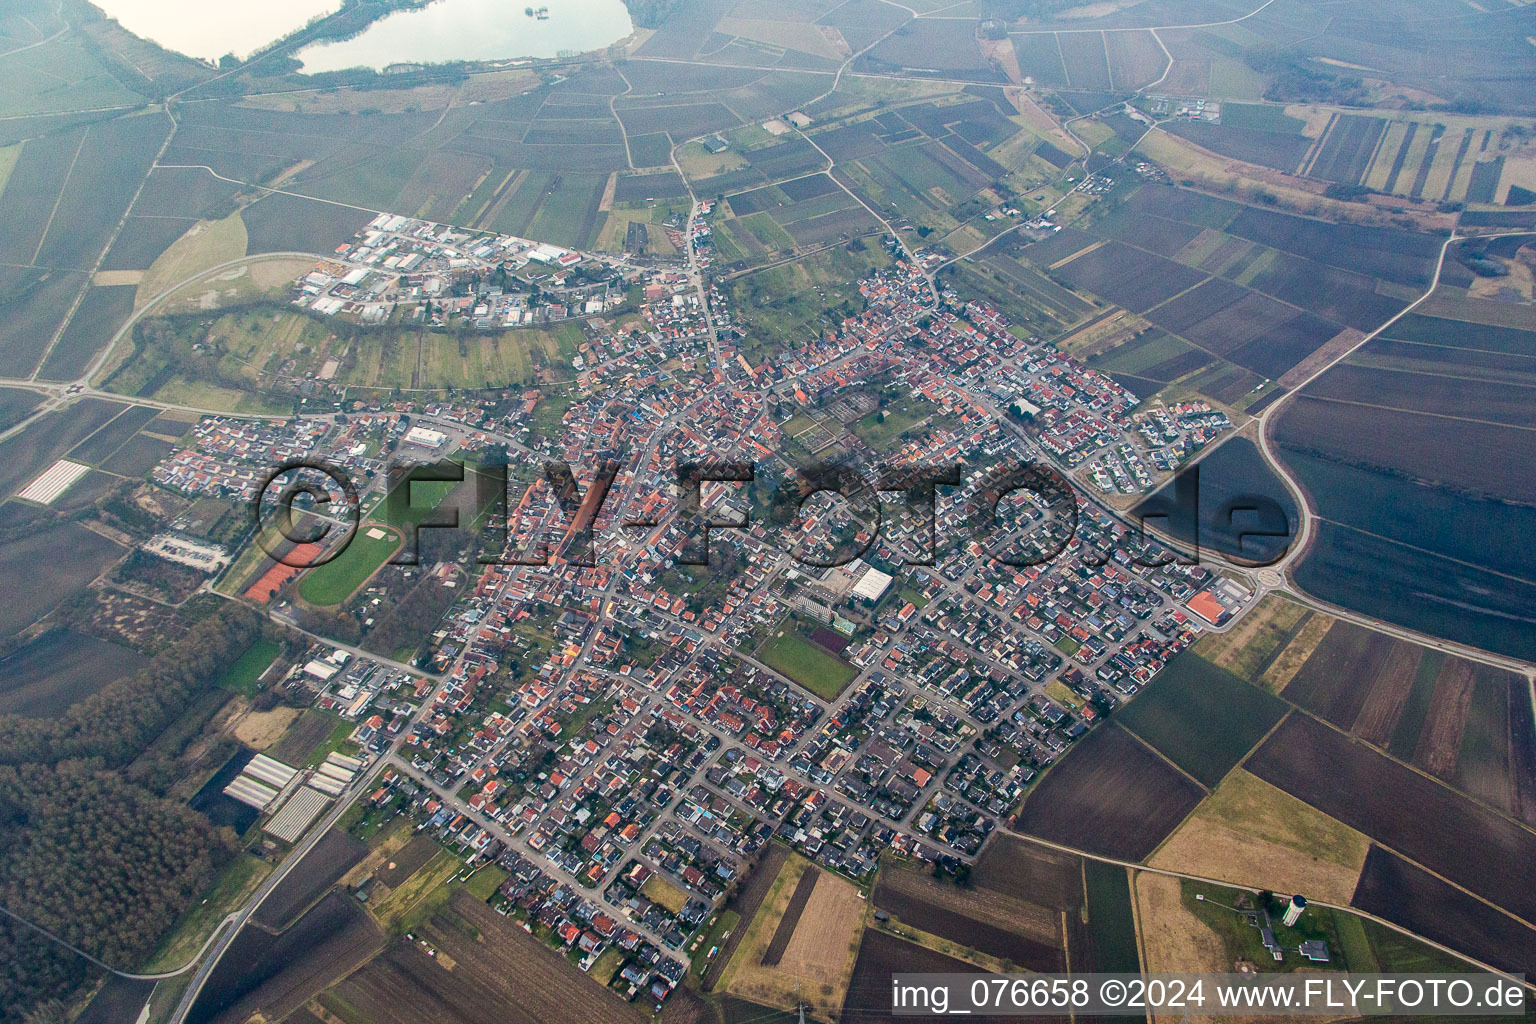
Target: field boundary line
x,y
58,199
264,188
1212,791
1426,775
1420,412
1411,547
101,258
1262,739
1401,341
612,109
1203,787
1446,376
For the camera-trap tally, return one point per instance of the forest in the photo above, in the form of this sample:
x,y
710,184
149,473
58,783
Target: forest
x,y
101,856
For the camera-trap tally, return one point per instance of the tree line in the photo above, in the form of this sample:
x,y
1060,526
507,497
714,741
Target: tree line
x,y
116,723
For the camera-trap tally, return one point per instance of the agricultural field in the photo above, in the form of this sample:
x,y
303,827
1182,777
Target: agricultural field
x,y
1370,423
880,955
804,937
1463,722
1111,918
1232,477
276,973
1202,718
311,729
1133,278
781,307
1011,929
1405,894
48,674
482,962
305,885
1424,820
1249,832
74,555
744,903
1109,795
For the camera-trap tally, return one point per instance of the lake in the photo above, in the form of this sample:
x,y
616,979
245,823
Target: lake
x,y
209,31
475,30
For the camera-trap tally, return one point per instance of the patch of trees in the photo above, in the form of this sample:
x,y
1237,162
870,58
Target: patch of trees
x,y
1295,79
417,616
1347,193
151,574
34,973
102,863
119,721
650,13
1474,256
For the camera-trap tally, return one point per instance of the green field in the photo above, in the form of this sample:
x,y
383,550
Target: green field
x,y
244,675
882,429
59,75
1111,921
337,580
1202,718
783,306
807,664
1263,117
482,885
711,937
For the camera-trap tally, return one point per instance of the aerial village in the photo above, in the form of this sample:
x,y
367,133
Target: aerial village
x,y
624,733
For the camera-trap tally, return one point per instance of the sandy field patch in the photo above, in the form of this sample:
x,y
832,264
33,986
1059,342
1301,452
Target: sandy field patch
x,y
110,278
1249,832
260,729
1172,939
1289,661
821,952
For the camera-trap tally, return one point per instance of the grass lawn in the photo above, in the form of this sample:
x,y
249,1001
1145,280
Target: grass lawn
x,y
1061,693
415,899
822,673
607,965
419,499
584,714
482,885
882,429
724,923
663,893
1249,831
206,244
245,673
338,579
1241,940
237,882
337,740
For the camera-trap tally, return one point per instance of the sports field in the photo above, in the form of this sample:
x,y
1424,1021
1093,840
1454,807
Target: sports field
x,y
812,667
337,580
